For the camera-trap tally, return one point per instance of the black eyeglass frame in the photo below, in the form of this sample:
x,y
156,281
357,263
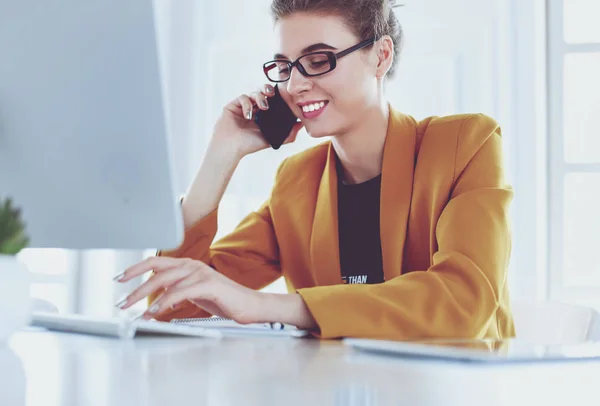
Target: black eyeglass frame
x,y
331,56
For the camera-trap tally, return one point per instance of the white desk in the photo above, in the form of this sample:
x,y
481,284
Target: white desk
x,y
52,369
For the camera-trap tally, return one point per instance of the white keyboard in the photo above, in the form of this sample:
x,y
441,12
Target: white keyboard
x,y
115,327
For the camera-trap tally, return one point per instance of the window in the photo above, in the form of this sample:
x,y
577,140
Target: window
x,y
574,160
52,273
81,281
581,21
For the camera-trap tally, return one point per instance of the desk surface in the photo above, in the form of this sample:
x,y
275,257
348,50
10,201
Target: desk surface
x,y
52,369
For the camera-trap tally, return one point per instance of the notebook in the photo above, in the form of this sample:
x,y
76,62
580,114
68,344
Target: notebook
x,y
116,327
230,327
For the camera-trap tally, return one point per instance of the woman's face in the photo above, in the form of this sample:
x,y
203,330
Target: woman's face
x,y
345,93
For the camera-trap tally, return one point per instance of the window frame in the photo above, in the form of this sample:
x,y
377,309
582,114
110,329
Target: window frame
x,y
558,167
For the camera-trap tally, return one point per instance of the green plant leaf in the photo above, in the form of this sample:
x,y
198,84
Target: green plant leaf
x,y
13,237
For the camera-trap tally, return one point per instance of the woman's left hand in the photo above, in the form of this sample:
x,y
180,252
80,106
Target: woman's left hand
x,y
186,279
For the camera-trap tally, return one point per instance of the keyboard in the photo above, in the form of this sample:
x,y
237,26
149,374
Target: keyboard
x,y
117,327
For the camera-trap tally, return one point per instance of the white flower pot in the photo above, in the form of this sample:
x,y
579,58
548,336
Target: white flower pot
x,y
15,301
14,384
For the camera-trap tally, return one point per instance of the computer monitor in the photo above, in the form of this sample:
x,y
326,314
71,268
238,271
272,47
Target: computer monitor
x,y
84,146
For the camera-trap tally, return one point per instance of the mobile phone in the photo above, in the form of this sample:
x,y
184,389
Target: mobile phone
x,y
277,121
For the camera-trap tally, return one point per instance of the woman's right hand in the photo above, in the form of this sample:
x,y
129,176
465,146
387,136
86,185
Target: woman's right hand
x,y
236,127
235,136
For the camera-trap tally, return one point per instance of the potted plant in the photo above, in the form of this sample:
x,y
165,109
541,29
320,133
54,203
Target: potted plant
x,y
15,303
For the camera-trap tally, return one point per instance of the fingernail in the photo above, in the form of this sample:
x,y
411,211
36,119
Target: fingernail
x,y
249,115
121,303
263,104
153,308
119,277
270,89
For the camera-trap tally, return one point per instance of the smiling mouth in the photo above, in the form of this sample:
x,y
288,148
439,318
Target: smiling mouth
x,y
313,110
313,107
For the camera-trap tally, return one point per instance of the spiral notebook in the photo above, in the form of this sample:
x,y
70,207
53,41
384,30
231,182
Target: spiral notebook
x,y
230,327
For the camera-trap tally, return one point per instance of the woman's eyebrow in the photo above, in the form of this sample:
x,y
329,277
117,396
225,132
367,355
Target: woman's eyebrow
x,y
310,48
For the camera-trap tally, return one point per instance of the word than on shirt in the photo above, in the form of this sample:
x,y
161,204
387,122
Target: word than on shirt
x,y
354,280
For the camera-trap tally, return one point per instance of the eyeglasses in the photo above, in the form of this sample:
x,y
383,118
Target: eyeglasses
x,y
311,64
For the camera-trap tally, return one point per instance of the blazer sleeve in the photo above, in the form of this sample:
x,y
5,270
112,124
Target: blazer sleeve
x,y
459,293
249,255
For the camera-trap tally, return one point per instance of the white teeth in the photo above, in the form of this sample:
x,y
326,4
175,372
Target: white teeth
x,y
312,107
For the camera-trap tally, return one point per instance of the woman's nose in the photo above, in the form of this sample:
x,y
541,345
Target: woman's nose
x,y
298,83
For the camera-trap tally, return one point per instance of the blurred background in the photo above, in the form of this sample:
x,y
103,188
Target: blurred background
x,y
532,65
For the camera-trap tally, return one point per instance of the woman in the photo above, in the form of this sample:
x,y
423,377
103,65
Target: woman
x,y
394,229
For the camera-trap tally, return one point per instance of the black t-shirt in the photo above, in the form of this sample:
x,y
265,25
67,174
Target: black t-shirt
x,y
358,229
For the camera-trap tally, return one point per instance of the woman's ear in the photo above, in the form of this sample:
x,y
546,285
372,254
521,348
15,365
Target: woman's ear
x,y
385,55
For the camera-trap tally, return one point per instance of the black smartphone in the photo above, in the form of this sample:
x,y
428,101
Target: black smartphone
x,y
277,121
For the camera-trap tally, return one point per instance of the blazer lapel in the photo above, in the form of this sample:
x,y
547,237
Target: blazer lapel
x,y
396,190
324,244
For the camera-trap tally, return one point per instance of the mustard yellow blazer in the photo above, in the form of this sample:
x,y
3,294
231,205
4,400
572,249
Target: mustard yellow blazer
x,y
445,237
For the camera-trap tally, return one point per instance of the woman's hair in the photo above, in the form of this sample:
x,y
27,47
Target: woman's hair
x,y
366,18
